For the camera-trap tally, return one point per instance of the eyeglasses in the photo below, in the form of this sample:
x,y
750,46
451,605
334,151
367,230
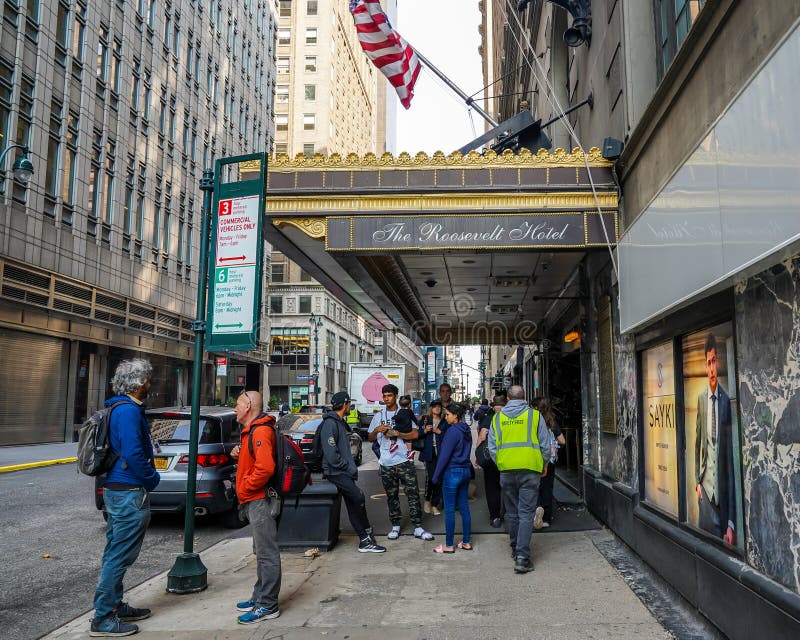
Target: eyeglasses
x,y
243,392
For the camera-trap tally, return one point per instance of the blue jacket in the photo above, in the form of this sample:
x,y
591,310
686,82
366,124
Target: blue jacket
x,y
455,451
130,439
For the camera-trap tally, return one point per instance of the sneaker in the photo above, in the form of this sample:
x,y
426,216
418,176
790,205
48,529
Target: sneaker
x,y
258,614
394,534
420,533
128,613
245,605
496,523
370,545
435,511
545,524
112,627
537,517
522,565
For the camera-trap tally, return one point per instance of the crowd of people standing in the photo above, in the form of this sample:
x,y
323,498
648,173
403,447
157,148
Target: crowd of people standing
x,y
517,445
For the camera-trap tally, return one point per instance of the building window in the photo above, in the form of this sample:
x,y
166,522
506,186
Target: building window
x,y
282,94
6,90
281,147
62,32
311,92
278,271
674,19
25,116
285,10
305,276
68,193
284,36
102,55
51,184
309,121
308,149
283,65
281,122
311,7
275,304
311,64
78,31
305,304
311,36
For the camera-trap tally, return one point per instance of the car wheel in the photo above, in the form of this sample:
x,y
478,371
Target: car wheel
x,y
232,519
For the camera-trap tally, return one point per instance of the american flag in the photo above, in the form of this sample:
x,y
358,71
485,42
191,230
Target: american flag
x,y
386,48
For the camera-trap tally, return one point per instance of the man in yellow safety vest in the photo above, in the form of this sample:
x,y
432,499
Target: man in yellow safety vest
x,y
517,438
352,417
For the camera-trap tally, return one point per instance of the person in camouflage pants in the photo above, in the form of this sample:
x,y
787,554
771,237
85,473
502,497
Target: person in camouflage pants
x,y
392,477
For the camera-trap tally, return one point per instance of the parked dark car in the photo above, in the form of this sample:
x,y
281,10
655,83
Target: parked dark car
x,y
303,429
216,470
314,408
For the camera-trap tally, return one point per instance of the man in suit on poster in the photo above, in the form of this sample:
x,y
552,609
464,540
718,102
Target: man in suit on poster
x,y
713,454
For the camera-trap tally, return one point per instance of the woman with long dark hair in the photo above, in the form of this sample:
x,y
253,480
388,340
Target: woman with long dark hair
x,y
453,470
432,427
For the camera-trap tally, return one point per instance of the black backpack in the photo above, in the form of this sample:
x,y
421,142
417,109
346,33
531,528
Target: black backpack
x,y
95,456
291,473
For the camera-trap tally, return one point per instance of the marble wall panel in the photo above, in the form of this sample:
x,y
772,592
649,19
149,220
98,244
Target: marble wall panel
x,y
768,336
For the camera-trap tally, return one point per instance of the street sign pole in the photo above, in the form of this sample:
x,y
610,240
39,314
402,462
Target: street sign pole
x,y
188,574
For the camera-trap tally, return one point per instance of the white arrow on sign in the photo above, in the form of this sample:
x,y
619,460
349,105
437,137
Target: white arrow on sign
x,y
237,232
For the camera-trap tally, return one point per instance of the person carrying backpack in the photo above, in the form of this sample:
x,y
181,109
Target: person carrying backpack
x,y
126,494
260,503
340,470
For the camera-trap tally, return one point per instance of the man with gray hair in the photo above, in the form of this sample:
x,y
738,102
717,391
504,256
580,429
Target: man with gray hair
x,y
516,439
126,497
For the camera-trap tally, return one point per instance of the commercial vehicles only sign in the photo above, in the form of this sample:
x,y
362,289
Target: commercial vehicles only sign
x,y
235,280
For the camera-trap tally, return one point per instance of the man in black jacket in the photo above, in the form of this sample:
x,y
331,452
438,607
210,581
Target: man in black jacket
x,y
340,469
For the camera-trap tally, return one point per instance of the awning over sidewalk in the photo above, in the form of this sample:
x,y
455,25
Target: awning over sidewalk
x,y
450,249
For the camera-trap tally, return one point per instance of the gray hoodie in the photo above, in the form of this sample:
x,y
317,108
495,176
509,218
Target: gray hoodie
x,y
513,409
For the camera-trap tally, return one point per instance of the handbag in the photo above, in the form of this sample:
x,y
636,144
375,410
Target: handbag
x,y
482,456
419,443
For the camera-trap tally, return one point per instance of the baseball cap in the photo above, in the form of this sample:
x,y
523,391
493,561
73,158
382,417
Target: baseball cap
x,y
340,397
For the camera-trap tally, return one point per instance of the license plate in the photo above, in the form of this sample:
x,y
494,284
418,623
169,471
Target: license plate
x,y
161,463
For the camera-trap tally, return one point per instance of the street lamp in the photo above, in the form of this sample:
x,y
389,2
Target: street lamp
x,y
22,167
361,345
461,377
316,324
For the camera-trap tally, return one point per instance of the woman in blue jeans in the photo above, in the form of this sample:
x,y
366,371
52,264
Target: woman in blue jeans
x,y
453,471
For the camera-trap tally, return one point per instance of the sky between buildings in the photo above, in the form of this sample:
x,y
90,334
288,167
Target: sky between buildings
x,y
445,32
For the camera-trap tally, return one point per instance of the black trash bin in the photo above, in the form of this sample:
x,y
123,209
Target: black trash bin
x,y
315,520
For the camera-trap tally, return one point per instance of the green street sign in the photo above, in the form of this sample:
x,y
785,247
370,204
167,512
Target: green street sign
x,y
236,255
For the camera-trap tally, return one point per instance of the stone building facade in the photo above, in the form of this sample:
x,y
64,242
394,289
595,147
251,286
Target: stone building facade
x,y
696,100
122,106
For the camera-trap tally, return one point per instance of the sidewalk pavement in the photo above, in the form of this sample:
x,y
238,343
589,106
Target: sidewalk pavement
x,y
406,593
16,458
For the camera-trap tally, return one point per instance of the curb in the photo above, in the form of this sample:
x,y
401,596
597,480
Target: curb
x,y
34,465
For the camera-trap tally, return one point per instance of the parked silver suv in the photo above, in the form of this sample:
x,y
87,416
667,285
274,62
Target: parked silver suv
x,y
216,470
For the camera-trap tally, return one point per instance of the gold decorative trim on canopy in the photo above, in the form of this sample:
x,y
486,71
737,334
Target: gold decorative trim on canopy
x,y
429,202
455,160
316,228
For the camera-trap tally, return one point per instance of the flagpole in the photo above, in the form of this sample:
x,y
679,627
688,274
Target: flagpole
x,y
470,102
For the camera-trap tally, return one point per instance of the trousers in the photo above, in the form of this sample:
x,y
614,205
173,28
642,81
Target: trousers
x,y
268,556
455,486
392,477
520,497
354,501
128,516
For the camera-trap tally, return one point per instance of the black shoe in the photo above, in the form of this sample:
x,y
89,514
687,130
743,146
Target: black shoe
x,y
513,553
522,565
496,523
128,613
369,545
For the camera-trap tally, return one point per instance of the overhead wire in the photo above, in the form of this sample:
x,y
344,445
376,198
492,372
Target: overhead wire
x,y
551,97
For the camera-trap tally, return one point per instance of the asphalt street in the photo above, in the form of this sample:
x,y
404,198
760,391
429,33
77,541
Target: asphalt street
x,y
51,543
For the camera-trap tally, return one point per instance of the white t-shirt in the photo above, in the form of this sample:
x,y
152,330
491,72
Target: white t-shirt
x,y
388,458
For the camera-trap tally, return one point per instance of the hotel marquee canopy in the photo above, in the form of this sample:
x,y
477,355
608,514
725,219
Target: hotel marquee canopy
x,y
450,249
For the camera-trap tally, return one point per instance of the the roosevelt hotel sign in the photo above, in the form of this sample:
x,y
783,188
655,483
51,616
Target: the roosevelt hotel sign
x,y
551,230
